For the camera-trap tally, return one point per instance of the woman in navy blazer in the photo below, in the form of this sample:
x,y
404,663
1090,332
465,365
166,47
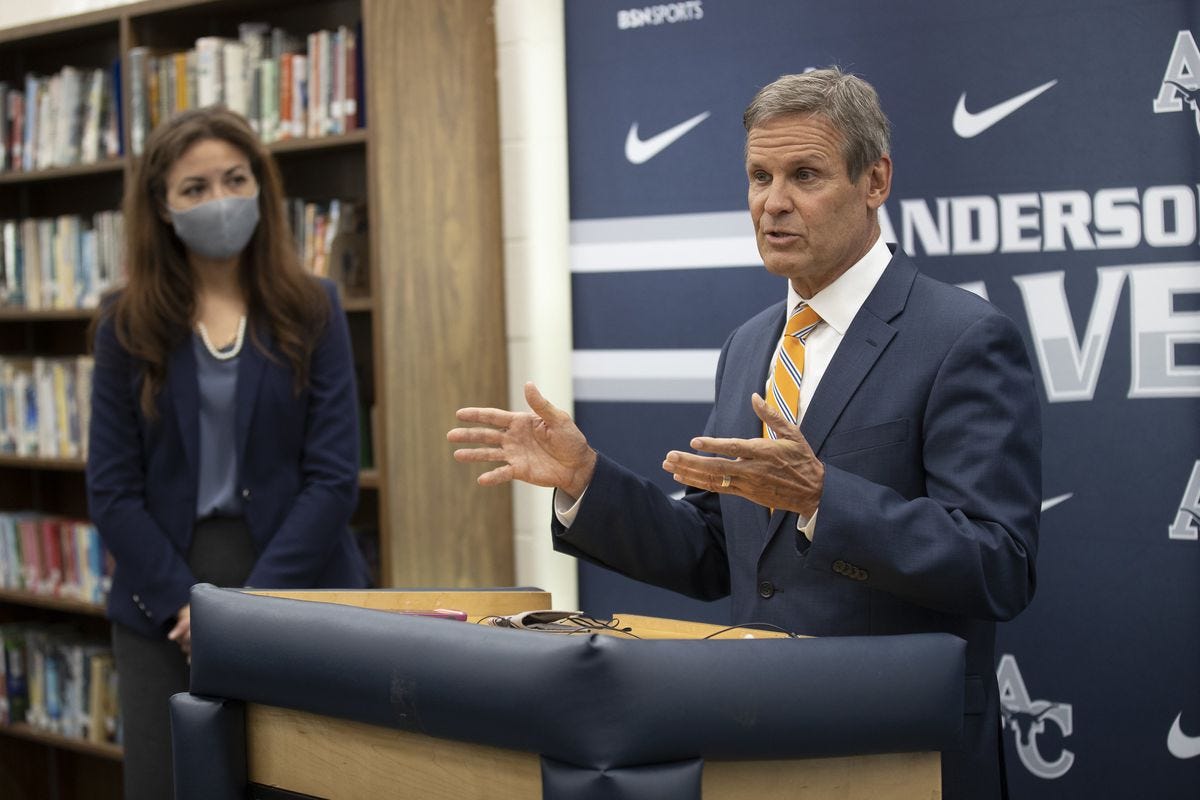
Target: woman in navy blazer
x,y
224,434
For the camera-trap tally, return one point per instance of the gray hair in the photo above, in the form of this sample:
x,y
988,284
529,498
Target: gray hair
x,y
846,100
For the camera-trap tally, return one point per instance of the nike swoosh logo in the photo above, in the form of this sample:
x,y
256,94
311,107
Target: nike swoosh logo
x,y
639,151
1053,501
1179,743
967,124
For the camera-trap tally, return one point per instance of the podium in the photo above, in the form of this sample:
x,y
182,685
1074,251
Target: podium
x,y
310,694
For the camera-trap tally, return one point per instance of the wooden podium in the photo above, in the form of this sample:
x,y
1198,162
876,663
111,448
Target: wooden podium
x,y
317,754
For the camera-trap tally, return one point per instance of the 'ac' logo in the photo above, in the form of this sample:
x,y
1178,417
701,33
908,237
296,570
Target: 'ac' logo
x,y
1187,521
1027,718
1181,81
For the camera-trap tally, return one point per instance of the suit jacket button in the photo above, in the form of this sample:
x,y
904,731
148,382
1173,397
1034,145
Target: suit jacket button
x,y
839,567
245,494
766,589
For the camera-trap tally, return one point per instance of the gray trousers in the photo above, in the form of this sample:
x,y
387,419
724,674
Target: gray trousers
x,y
150,670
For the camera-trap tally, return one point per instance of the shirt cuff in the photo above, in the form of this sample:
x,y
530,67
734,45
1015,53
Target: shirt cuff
x,y
566,509
806,526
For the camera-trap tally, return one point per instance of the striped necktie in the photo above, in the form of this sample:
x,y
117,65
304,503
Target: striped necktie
x,y
783,387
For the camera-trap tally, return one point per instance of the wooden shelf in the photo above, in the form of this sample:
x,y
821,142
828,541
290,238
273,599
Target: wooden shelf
x,y
355,138
46,315
33,462
22,730
23,598
358,305
368,479
59,173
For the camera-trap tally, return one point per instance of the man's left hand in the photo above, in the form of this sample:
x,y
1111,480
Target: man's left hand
x,y
776,473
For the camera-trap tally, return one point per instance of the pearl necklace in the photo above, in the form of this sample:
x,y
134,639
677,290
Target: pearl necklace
x,y
223,355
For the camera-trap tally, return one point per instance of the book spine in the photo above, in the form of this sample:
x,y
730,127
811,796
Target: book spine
x,y
4,127
285,95
299,94
350,103
139,99
208,71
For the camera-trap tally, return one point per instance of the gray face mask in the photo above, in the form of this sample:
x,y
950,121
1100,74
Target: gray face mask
x,y
217,229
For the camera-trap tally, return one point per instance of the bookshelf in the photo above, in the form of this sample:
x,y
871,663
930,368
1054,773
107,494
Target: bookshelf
x,y
426,167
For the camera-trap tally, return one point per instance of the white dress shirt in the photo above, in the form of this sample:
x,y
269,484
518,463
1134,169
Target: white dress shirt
x,y
837,304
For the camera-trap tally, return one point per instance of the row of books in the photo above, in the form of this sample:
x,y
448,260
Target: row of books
x,y
53,557
331,239
287,86
71,117
60,262
45,406
70,261
58,680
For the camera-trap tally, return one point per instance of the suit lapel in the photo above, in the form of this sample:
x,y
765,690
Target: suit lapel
x,y
864,342
185,397
251,364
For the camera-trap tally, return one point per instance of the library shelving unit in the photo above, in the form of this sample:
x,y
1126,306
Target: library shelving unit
x,y
428,338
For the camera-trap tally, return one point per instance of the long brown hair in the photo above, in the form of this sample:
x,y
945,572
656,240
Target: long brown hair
x,y
154,311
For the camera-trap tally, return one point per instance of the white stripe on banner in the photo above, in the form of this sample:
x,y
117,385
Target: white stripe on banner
x,y
668,241
645,376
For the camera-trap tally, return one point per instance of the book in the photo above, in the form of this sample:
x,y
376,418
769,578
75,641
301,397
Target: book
x,y
350,101
67,107
234,78
16,129
210,71
92,113
31,552
299,93
12,650
102,701
4,126
269,98
114,116
253,36
140,97
51,566
286,128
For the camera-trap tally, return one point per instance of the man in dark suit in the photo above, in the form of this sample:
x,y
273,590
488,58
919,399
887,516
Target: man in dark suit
x,y
907,497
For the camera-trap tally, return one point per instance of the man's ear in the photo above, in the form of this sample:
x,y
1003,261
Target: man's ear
x,y
879,182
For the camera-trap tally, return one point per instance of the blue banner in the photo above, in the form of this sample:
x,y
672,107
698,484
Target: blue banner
x,y
1047,157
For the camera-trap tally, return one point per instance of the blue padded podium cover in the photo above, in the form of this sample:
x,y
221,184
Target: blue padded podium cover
x,y
208,747
585,699
678,781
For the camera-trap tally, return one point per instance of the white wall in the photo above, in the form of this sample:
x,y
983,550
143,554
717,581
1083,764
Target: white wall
x,y
533,139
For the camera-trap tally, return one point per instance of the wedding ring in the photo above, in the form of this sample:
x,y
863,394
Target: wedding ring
x,y
725,481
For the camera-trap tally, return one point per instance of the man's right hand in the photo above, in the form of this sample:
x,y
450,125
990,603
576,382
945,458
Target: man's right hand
x,y
544,447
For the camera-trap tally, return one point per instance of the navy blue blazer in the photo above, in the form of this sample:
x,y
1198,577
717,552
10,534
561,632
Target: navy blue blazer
x,y
928,424
298,469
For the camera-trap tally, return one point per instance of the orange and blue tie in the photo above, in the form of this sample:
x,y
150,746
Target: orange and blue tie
x,y
783,387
